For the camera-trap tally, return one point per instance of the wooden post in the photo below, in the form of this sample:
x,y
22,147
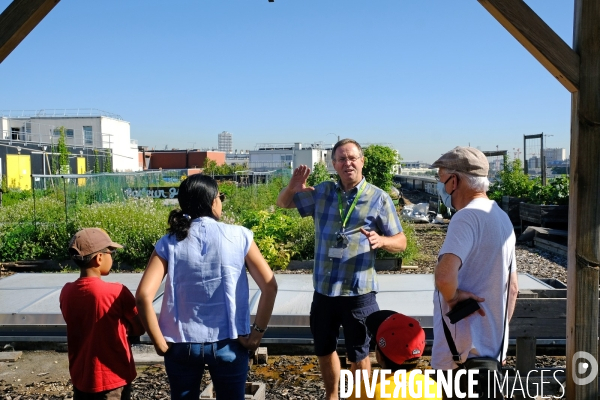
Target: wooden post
x,y
19,18
525,354
584,227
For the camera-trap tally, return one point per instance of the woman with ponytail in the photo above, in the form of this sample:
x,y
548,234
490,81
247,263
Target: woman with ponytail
x,y
205,315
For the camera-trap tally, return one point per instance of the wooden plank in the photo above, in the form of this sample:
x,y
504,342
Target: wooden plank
x,y
550,246
540,308
527,294
525,354
551,293
544,328
18,19
10,356
538,38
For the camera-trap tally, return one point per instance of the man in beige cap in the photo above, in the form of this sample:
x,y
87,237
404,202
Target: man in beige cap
x,y
477,261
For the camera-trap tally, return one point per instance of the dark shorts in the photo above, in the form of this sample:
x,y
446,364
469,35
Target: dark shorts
x,y
121,393
328,313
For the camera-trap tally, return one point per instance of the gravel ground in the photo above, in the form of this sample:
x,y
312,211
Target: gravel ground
x,y
44,374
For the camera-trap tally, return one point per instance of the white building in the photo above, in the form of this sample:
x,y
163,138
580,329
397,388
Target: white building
x,y
414,168
557,154
268,157
242,158
225,142
87,128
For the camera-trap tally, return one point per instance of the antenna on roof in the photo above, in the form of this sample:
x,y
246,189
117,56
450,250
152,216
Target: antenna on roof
x,y
166,147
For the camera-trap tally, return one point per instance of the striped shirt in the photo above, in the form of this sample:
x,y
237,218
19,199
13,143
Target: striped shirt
x,y
354,273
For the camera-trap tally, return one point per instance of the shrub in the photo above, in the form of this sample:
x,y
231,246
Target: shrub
x,y
514,182
379,164
319,174
281,234
411,250
145,223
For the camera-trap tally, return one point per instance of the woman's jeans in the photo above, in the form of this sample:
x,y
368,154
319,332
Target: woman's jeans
x,y
227,362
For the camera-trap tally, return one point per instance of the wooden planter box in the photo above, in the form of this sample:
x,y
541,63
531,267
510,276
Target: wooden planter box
x,y
385,264
546,216
510,205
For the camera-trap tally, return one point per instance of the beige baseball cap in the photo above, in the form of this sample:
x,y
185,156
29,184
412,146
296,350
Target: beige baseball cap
x,y
468,160
89,241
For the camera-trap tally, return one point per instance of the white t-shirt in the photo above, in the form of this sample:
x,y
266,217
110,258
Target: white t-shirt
x,y
482,236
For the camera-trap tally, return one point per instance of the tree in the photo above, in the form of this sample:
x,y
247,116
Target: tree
x,y
210,166
96,162
63,153
379,165
108,161
319,174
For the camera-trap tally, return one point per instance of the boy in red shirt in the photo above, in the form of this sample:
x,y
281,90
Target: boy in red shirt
x,y
99,315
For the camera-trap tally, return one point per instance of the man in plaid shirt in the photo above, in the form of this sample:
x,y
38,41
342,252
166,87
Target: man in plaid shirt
x,y
352,220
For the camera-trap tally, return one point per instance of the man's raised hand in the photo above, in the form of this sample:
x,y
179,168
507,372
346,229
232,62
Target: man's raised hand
x,y
298,181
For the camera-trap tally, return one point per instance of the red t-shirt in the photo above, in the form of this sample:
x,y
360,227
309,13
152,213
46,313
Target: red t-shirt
x,y
99,354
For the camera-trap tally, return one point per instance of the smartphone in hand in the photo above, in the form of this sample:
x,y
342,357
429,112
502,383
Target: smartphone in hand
x,y
462,309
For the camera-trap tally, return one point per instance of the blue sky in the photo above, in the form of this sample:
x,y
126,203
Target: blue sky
x,y
423,75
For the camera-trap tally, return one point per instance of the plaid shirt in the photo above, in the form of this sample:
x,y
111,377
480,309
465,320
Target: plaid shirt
x,y
354,273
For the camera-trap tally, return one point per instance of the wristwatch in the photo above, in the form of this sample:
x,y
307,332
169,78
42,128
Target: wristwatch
x,y
257,329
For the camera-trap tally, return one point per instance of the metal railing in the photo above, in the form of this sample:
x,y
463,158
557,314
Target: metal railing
x,y
58,112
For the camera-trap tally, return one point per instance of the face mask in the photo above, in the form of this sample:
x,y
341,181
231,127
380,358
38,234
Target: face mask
x,y
446,198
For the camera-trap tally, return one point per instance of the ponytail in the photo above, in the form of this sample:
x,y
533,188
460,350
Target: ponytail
x,y
179,224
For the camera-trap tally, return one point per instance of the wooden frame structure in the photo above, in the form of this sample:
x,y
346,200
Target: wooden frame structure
x,y
19,18
577,69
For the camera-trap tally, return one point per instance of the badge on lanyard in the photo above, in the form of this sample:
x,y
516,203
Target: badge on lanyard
x,y
336,252
341,237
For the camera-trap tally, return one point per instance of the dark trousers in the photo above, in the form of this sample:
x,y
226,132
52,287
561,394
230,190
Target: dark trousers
x,y
120,393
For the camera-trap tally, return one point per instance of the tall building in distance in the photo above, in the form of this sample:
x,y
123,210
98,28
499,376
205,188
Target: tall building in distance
x,y
225,142
552,155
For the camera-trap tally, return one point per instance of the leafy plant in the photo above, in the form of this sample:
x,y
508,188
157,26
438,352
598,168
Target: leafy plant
x,y
555,192
96,162
281,234
512,181
411,251
63,153
319,174
108,160
379,164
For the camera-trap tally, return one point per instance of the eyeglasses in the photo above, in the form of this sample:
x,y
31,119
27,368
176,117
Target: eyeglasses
x,y
222,197
108,251
344,159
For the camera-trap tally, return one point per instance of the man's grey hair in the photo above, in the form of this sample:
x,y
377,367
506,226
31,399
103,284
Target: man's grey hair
x,y
477,183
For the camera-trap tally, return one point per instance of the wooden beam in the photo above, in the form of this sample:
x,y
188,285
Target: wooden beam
x,y
19,18
538,38
584,213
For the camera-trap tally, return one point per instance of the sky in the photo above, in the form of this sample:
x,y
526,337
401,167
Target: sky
x,y
422,75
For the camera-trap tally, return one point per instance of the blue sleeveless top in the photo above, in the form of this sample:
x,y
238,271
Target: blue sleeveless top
x,y
206,286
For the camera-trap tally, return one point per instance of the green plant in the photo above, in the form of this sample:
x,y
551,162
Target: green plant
x,y
108,160
319,174
379,164
411,251
272,235
63,152
555,192
512,181
96,162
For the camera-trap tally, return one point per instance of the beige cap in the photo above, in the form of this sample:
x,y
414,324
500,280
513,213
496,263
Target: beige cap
x,y
468,160
89,241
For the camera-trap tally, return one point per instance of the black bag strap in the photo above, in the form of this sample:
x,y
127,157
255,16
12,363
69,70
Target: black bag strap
x,y
452,345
